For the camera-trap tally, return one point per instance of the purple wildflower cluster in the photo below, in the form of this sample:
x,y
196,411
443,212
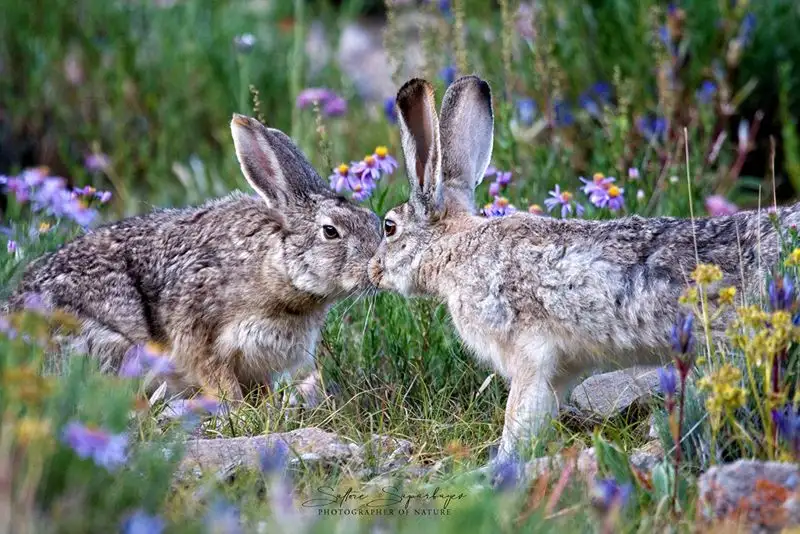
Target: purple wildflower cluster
x,y
104,448
603,193
500,205
361,177
51,195
787,421
608,494
332,105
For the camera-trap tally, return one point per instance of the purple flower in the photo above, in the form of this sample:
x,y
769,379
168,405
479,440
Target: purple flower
x,y
706,92
11,246
667,380
563,113
596,188
633,173
244,43
494,189
526,111
524,21
96,162
142,523
787,421
448,75
390,109
223,518
386,163
595,98
652,128
781,293
367,170
35,302
506,474
746,30
503,178
608,494
314,95
681,335
499,208
273,459
142,359
491,170
563,199
103,196
335,107
105,449
717,206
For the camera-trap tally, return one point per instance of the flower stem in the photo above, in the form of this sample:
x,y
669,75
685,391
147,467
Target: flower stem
x,y
677,443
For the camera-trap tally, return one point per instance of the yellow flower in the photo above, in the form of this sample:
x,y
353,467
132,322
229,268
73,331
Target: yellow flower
x,y
689,297
725,392
44,227
31,430
794,258
727,295
705,274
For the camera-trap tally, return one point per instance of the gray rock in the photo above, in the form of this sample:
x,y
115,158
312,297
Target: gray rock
x,y
646,457
759,495
308,446
611,394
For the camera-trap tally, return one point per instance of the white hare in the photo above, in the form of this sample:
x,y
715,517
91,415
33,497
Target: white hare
x,y
543,299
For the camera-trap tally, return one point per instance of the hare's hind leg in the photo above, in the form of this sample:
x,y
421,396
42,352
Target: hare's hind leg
x,y
103,343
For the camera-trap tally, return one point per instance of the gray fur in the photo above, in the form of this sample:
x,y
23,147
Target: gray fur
x,y
544,299
236,289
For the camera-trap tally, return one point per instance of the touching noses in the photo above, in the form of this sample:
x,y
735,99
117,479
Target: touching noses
x,y
375,271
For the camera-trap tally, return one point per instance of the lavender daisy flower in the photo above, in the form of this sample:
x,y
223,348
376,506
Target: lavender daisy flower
x,y
342,178
717,206
367,170
491,170
499,208
105,449
563,199
361,192
103,196
390,109
386,163
494,189
614,198
535,209
633,173
142,523
143,359
597,185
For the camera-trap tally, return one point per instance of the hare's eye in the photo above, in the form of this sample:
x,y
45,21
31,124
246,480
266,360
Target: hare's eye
x,y
389,227
330,232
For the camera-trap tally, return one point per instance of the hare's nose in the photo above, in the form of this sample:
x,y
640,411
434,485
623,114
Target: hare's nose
x,y
375,271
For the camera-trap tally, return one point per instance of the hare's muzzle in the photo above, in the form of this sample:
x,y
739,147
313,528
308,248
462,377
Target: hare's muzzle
x,y
375,271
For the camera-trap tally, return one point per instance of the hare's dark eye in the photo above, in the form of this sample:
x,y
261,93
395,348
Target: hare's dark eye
x,y
389,227
330,232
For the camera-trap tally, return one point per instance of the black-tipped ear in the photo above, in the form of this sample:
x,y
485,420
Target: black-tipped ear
x,y
273,165
419,126
467,132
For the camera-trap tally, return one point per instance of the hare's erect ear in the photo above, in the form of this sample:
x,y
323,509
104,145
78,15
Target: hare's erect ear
x,y
467,131
273,165
419,126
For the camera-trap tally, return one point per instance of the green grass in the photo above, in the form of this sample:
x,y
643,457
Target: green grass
x,y
154,85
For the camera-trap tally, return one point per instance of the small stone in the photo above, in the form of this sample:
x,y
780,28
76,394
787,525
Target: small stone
x,y
611,394
760,495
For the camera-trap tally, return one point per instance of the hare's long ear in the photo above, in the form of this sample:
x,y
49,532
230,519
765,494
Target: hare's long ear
x,y
419,127
273,165
467,131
